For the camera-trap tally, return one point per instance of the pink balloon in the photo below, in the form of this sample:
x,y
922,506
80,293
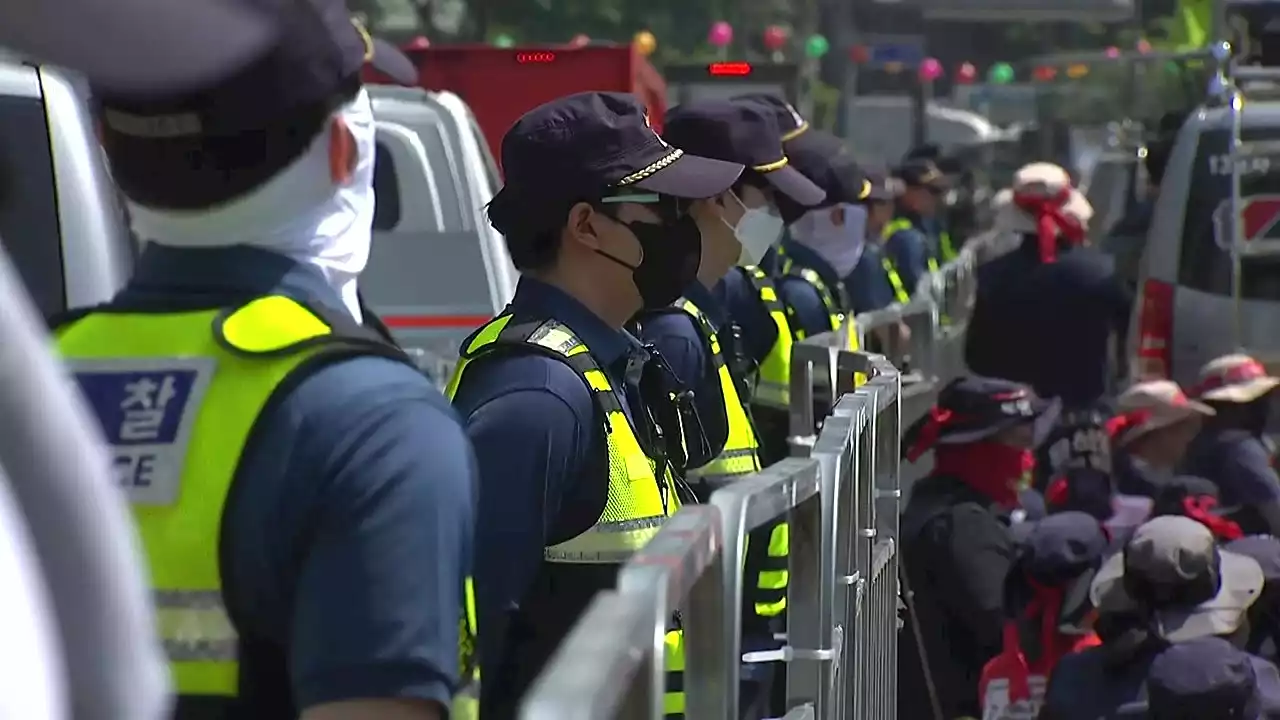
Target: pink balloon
x,y
1113,52
721,34
930,69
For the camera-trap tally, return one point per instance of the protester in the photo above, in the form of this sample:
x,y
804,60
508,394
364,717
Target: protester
x,y
1171,584
1231,450
1048,313
1207,679
1264,615
1151,433
1047,611
956,544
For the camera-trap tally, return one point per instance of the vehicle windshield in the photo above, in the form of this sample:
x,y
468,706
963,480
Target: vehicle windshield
x,y
1206,260
28,205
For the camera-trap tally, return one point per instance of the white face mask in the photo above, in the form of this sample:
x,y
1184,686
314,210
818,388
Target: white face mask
x,y
757,231
840,245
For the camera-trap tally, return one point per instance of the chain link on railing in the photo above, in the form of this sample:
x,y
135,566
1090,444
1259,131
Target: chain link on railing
x,y
840,493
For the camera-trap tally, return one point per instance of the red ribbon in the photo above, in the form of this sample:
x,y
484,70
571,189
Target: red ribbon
x,y
929,432
1201,508
1244,372
1058,492
1046,604
1124,422
1051,221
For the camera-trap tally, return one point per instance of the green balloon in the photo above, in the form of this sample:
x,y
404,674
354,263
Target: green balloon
x,y
1000,74
503,40
816,46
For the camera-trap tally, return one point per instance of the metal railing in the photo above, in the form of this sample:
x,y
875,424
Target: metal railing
x,y
840,494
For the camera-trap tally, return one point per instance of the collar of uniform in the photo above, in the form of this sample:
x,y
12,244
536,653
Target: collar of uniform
x,y
901,211
808,258
538,299
218,276
699,295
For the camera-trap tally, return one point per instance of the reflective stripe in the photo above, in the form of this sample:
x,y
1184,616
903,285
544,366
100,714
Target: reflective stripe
x,y
194,626
948,250
770,595
673,698
899,292
606,542
773,381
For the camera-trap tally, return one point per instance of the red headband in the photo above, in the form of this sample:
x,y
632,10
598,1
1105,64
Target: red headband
x,y
929,432
1051,221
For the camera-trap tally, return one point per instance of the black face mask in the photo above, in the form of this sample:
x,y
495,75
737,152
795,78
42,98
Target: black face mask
x,y
671,254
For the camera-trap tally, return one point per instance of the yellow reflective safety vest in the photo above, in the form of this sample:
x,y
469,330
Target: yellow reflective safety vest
x,y
638,500
899,224
773,380
740,455
767,555
178,395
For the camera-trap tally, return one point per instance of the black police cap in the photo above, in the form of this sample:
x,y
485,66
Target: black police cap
x,y
741,133
922,173
204,146
790,122
826,160
140,45
590,145
882,184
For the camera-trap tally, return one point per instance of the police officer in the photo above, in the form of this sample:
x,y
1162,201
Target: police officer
x,y
815,302
911,238
289,470
824,243
604,219
957,548
875,282
689,336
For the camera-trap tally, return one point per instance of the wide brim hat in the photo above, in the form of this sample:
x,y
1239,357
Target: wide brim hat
x,y
1234,378
1044,179
1241,584
1153,405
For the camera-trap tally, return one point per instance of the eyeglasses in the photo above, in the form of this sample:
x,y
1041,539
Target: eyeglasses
x,y
668,208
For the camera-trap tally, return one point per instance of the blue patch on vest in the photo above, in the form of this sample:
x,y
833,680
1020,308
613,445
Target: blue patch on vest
x,y
146,408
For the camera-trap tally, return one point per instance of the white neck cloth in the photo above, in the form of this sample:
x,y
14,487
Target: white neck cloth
x,y
300,213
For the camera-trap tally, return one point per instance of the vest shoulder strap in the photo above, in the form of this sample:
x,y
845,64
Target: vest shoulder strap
x,y
550,338
276,325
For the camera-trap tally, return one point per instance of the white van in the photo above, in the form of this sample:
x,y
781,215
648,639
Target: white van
x,y
1185,314
60,215
438,270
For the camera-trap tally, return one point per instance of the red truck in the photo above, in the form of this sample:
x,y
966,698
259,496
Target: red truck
x,y
501,84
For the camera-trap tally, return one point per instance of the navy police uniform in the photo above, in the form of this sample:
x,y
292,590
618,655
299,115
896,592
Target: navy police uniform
x,y
874,282
576,471
696,328
735,132
350,468
910,239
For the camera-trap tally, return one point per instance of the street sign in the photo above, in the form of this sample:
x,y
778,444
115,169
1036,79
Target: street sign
x,y
1027,10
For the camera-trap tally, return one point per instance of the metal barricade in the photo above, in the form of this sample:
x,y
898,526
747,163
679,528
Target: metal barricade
x,y
841,494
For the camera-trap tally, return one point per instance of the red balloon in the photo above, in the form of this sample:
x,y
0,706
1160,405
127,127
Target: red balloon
x,y
774,38
859,54
966,73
